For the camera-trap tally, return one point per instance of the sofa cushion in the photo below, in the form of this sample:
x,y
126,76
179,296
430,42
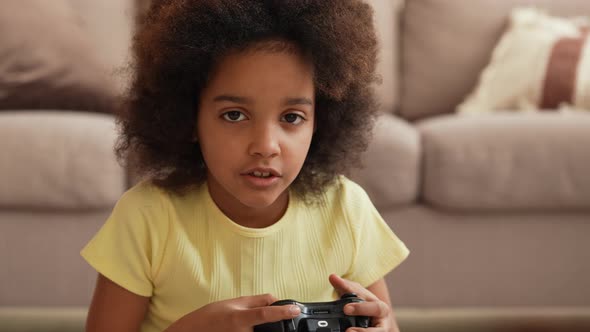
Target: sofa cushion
x,y
49,59
519,161
110,25
391,163
541,63
48,269
58,160
446,44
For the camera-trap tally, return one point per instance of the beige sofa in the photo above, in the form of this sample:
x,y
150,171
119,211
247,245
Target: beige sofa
x,y
495,209
59,177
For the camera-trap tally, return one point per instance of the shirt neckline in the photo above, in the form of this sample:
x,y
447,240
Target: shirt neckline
x,y
219,217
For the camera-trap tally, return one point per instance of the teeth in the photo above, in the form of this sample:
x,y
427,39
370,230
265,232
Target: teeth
x,y
261,174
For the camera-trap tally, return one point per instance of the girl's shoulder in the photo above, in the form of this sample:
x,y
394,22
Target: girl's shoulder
x,y
147,206
148,197
344,190
144,193
143,201
346,198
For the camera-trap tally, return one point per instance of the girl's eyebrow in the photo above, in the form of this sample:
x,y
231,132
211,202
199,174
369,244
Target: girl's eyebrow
x,y
246,100
297,101
233,99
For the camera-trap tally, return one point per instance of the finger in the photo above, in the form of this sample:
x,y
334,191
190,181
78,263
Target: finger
x,y
376,309
269,314
343,286
256,301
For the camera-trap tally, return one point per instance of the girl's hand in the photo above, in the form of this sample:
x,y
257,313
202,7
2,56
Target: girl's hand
x,y
382,319
239,315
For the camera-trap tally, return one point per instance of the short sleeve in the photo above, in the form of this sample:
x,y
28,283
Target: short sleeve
x,y
127,249
377,249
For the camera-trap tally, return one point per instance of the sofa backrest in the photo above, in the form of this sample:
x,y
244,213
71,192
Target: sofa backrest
x,y
446,44
110,24
386,18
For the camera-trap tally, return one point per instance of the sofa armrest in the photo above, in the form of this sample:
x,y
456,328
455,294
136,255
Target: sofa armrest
x,y
391,163
59,160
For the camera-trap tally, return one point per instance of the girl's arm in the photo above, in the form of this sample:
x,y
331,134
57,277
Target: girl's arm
x,y
114,308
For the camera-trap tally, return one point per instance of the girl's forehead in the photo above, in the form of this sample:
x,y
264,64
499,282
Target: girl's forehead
x,y
262,47
262,69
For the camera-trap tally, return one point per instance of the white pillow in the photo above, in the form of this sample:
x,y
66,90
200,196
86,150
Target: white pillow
x,y
541,62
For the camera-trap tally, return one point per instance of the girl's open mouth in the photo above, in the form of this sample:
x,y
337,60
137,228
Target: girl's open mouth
x,y
260,180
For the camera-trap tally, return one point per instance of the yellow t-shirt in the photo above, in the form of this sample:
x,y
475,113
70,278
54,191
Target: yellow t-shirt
x,y
184,253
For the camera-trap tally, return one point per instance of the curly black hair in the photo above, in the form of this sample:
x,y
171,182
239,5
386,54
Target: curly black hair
x,y
177,47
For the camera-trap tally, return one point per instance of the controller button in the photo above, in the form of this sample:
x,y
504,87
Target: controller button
x,y
317,324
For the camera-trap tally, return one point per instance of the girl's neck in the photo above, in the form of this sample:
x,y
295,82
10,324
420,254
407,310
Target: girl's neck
x,y
244,215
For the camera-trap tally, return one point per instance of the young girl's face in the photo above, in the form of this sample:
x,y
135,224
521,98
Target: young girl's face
x,y
255,124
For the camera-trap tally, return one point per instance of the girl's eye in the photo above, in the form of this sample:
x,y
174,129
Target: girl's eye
x,y
293,118
234,116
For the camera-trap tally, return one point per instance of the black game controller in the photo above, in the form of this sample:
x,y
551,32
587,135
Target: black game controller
x,y
318,317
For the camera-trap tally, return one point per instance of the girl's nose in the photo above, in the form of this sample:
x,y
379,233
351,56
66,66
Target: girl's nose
x,y
264,142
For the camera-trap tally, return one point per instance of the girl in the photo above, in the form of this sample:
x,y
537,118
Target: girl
x,y
240,117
